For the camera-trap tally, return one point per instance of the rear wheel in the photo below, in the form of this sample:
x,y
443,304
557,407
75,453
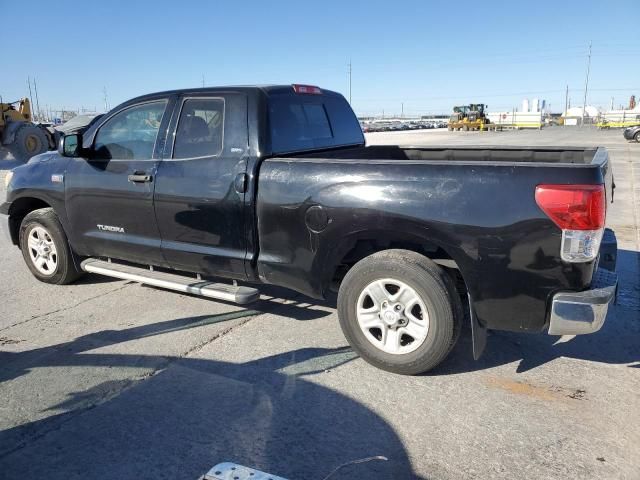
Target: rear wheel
x,y
637,137
399,311
45,248
29,140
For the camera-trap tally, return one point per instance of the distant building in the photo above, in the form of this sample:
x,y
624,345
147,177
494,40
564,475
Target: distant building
x,y
574,115
620,118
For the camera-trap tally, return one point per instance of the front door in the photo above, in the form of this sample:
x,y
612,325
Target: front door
x,y
199,195
109,195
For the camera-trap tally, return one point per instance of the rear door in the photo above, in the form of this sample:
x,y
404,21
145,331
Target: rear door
x,y
200,192
109,195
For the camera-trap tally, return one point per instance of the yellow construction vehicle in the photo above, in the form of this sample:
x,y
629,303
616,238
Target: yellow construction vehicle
x,y
468,117
19,134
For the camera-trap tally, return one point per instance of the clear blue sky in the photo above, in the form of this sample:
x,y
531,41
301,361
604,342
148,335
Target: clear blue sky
x,y
427,55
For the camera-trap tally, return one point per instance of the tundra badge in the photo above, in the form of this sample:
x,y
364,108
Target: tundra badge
x,y
110,228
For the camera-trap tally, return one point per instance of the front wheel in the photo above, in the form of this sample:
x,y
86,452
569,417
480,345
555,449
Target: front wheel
x,y
637,137
399,311
45,248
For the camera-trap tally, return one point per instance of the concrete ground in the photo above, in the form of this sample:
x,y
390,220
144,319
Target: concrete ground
x,y
111,380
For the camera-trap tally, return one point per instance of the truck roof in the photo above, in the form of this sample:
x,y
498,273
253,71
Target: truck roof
x,y
264,89
290,118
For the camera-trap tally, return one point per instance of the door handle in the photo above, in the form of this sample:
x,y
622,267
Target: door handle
x,y
140,177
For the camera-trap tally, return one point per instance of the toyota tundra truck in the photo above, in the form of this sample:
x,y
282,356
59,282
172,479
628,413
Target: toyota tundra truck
x,y
215,191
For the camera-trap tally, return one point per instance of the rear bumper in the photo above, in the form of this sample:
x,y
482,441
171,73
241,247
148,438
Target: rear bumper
x,y
578,313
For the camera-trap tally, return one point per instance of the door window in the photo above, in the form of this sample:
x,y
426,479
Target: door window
x,y
200,128
131,134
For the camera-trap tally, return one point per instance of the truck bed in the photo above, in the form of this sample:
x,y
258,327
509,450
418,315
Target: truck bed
x,y
475,206
491,154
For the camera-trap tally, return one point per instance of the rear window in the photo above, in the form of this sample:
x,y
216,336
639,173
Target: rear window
x,y
307,122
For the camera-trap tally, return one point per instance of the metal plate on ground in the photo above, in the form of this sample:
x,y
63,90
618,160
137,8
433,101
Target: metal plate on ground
x,y
233,471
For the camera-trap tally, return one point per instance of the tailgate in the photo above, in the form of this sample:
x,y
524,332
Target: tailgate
x,y
601,158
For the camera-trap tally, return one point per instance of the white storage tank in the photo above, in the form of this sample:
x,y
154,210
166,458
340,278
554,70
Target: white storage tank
x,y
534,107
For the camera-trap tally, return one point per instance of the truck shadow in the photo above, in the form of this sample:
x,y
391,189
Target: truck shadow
x,y
192,413
618,342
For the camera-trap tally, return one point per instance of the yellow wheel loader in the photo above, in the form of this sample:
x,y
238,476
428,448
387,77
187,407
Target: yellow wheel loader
x,y
18,134
468,117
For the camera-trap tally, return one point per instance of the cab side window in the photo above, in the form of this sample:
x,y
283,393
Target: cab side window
x,y
200,128
131,134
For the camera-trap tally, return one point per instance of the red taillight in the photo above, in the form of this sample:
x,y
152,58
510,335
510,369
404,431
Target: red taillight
x,y
309,89
573,207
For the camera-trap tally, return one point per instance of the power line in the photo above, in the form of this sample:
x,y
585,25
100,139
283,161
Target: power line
x,y
586,83
106,103
35,88
349,81
30,96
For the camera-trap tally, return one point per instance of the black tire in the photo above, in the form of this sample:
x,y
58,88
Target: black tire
x,y
435,288
636,137
29,140
65,270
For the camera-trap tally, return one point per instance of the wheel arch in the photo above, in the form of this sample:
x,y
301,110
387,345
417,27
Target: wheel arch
x,y
19,209
353,248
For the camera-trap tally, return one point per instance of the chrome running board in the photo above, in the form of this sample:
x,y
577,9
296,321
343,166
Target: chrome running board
x,y
171,281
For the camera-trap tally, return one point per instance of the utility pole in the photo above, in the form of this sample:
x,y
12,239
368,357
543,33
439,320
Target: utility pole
x,y
349,81
402,110
35,88
106,104
30,95
611,103
203,80
566,100
586,84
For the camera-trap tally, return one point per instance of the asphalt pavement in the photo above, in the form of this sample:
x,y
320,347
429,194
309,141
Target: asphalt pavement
x,y
108,379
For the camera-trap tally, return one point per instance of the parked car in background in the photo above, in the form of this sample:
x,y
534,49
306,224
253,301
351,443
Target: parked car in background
x,y
77,124
632,133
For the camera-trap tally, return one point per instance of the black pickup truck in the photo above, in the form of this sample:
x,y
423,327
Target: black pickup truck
x,y
182,189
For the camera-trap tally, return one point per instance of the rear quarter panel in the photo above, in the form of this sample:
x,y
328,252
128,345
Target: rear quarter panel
x,y
483,215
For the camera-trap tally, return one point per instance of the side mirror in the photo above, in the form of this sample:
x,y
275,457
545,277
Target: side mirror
x,y
70,145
